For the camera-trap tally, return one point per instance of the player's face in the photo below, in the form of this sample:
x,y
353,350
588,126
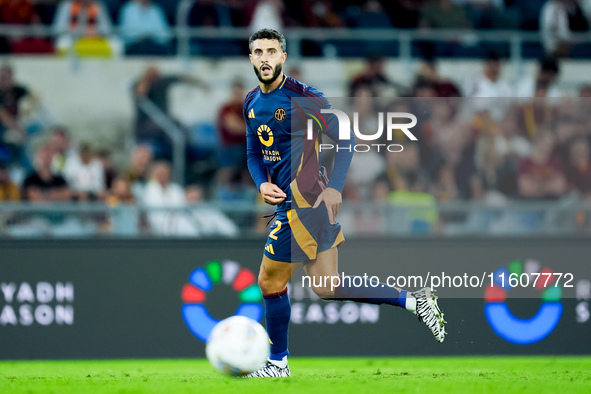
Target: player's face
x,y
267,59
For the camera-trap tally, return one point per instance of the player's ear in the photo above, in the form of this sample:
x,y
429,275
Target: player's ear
x,y
250,57
284,56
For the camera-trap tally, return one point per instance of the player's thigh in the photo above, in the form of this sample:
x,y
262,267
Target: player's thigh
x,y
321,270
274,275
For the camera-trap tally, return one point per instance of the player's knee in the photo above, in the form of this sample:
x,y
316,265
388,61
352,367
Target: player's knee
x,y
269,284
324,293
264,283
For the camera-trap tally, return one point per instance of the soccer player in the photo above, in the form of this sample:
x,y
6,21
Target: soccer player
x,y
284,164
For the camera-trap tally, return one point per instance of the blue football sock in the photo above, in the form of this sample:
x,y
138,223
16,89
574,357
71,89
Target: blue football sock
x,y
355,288
277,315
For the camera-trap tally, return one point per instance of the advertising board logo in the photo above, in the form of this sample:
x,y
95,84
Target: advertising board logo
x,y
514,329
242,282
41,303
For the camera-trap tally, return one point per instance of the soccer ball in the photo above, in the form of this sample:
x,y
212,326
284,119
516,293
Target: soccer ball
x,y
237,346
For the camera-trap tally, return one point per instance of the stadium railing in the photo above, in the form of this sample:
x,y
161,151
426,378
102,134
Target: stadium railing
x,y
514,40
566,217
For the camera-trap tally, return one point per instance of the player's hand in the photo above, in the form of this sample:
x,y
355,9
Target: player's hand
x,y
333,200
272,194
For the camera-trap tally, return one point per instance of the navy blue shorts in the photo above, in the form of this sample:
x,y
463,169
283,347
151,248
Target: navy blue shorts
x,y
298,235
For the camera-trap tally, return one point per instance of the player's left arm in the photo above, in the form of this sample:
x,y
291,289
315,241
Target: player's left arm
x,y
331,196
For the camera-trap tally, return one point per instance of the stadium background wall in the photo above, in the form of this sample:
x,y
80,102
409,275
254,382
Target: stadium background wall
x,y
122,299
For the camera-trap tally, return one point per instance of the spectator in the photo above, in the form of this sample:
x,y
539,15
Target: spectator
x,y
42,185
482,13
541,176
566,129
488,83
578,168
444,14
161,193
219,13
419,208
46,10
452,164
405,14
401,167
120,192
18,12
9,191
231,134
86,176
321,13
206,220
365,166
80,19
12,132
154,87
535,114
372,78
144,28
548,74
21,12
373,16
558,20
445,188
125,219
104,155
510,143
267,14
137,174
64,149
494,172
442,87
11,95
424,88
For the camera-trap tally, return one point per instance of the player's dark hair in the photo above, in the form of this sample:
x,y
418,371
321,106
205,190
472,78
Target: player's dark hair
x,y
268,34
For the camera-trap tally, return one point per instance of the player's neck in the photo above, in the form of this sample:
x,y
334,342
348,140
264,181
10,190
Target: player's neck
x,y
267,88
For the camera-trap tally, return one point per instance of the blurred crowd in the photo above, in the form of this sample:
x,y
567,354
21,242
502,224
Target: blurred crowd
x,y
481,138
520,141
140,27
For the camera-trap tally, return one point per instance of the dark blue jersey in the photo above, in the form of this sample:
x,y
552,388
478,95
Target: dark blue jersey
x,y
278,148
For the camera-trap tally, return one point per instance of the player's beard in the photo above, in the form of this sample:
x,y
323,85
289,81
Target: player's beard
x,y
276,72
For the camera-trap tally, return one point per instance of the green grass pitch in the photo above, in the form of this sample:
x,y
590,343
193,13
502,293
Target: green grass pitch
x,y
309,375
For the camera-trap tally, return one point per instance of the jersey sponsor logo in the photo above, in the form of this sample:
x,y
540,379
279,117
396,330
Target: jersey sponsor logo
x,y
269,248
251,114
280,114
265,135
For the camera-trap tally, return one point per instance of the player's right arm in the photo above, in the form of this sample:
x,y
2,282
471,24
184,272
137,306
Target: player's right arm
x,y
271,193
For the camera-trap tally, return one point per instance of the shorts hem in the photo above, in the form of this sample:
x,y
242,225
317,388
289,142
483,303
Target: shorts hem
x,y
277,258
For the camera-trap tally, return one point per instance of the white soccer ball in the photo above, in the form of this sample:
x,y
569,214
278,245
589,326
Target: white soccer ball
x,y
237,346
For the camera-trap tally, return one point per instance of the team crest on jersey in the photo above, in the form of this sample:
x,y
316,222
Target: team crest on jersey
x,y
280,114
265,135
